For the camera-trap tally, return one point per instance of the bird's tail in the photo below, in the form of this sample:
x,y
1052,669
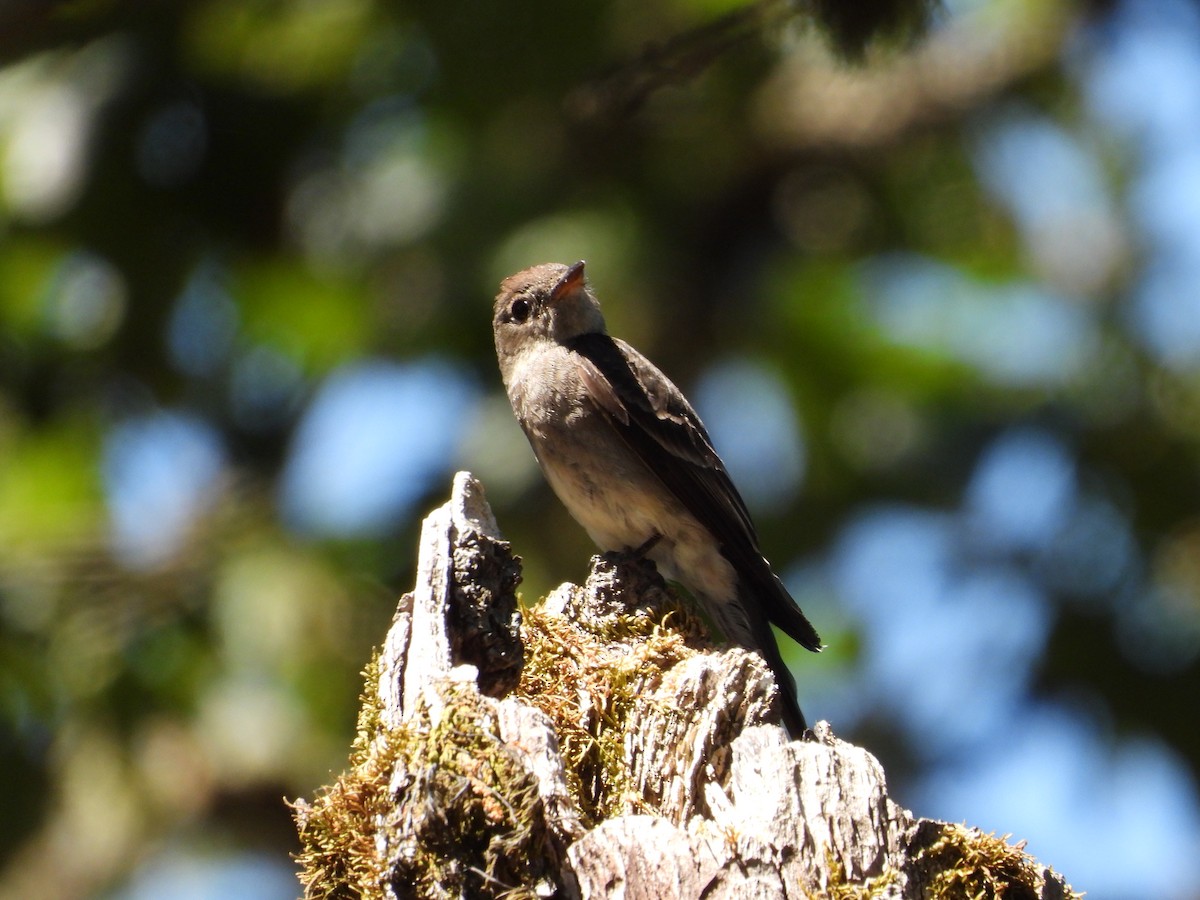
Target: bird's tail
x,y
763,641
793,716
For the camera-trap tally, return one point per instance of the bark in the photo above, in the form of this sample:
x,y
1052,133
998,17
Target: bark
x,y
604,748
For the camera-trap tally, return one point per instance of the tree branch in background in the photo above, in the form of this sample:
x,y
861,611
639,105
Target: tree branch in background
x,y
814,99
814,102
622,91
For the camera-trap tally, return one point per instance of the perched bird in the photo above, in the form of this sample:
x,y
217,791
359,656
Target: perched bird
x,y
630,459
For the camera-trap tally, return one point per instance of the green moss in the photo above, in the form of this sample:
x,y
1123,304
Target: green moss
x,y
842,888
455,809
473,824
586,680
967,863
337,830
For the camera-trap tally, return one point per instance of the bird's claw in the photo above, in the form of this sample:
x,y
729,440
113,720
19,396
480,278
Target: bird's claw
x,y
634,554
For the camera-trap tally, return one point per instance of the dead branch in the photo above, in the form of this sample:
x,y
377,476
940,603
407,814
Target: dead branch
x,y
603,748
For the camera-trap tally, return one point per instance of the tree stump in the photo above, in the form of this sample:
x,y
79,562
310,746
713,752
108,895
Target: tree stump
x,y
598,746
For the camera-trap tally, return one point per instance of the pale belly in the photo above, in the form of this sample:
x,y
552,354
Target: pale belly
x,y
619,502
625,506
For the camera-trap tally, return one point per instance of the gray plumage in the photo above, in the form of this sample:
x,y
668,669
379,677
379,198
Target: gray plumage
x,y
630,459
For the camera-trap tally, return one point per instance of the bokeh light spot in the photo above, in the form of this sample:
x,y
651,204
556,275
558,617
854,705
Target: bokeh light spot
x,y
370,442
160,471
752,422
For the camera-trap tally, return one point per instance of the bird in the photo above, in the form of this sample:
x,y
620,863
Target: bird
x,y
630,459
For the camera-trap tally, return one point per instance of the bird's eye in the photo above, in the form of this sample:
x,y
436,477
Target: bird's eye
x,y
519,310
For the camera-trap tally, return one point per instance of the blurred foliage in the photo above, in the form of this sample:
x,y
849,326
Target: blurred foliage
x,y
207,207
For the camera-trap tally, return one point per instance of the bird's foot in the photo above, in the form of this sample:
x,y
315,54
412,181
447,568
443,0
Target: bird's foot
x,y
634,554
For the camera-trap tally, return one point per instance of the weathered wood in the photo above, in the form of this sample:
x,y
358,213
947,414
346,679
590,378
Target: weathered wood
x,y
462,610
608,751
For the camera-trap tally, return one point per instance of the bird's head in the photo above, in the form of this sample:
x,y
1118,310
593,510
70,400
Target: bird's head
x,y
547,303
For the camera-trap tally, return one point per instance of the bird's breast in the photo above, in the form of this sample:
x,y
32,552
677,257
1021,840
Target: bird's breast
x,y
602,482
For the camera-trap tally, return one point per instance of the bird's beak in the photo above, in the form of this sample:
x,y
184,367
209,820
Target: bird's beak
x,y
569,283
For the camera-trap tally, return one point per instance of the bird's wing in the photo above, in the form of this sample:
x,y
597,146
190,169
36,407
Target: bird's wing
x,y
660,426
